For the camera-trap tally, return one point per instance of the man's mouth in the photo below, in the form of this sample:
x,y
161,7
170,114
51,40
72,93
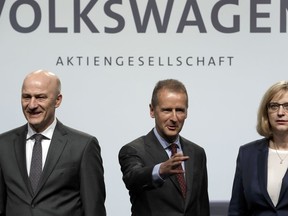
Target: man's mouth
x,y
170,127
32,114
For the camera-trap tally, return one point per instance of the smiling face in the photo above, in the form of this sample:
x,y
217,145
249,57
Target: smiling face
x,y
40,97
278,119
169,113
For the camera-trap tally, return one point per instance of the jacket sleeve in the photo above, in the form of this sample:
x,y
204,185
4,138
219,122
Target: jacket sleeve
x,y
136,174
2,194
238,204
92,185
204,199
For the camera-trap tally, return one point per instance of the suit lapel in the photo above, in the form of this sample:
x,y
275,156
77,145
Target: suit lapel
x,y
158,153
283,192
262,178
154,148
189,164
58,142
262,170
20,152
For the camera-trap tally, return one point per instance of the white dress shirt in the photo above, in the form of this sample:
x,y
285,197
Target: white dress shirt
x,y
48,133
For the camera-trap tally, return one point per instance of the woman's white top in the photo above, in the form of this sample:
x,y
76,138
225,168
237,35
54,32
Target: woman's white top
x,y
276,172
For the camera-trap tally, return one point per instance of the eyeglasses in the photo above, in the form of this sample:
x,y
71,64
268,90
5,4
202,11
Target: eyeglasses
x,y
274,107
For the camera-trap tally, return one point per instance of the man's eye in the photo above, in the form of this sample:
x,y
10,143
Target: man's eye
x,y
41,98
26,97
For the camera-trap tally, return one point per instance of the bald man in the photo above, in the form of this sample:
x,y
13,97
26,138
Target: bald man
x,y
64,176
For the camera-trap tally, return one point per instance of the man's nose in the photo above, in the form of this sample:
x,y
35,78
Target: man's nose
x,y
33,103
174,115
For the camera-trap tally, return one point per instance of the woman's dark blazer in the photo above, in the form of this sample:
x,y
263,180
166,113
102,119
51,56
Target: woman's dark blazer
x,y
249,193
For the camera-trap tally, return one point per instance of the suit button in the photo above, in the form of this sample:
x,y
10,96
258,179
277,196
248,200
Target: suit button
x,y
32,205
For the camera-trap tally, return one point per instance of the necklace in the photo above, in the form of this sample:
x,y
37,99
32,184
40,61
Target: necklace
x,y
281,159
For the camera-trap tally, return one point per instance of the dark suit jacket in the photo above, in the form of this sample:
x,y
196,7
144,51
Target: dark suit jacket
x,y
148,198
72,181
249,194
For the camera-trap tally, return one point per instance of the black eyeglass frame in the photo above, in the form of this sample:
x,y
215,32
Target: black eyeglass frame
x,y
274,107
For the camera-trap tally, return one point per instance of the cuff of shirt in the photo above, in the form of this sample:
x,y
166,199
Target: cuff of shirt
x,y
155,175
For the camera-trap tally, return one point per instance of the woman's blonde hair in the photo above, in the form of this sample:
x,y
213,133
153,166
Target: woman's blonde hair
x,y
277,90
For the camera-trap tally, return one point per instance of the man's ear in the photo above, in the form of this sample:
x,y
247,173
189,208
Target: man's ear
x,y
58,100
151,111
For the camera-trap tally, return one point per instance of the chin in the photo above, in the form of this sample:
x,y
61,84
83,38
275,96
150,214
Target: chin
x,y
33,122
173,133
172,136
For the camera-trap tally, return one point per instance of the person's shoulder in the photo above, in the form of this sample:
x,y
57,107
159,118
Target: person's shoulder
x,y
136,143
133,147
139,144
140,141
14,131
9,137
72,131
255,144
189,143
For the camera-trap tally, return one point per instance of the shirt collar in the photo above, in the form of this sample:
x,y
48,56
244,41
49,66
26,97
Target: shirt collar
x,y
163,142
47,133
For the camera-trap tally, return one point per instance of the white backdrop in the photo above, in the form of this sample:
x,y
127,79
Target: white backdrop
x,y
111,101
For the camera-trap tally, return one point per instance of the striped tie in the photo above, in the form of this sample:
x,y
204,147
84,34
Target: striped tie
x,y
180,176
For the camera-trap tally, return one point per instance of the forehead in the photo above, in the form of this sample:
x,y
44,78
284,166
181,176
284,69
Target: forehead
x,y
38,84
166,96
283,95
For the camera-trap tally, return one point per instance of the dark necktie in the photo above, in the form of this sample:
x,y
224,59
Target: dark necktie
x,y
36,162
180,176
